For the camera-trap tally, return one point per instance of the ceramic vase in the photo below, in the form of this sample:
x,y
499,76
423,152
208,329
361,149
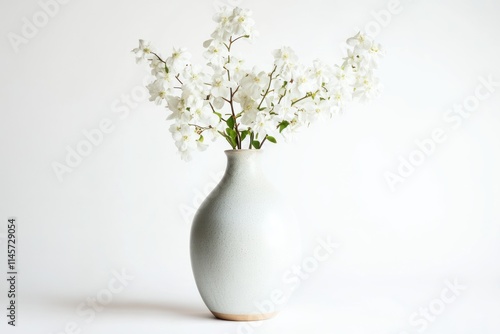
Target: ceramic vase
x,y
244,239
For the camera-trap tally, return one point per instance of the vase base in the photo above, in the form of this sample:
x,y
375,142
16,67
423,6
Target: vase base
x,y
244,317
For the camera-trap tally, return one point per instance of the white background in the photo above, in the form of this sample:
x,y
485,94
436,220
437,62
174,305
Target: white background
x,y
124,206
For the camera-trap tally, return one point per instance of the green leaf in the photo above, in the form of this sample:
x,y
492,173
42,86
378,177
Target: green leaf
x,y
244,134
256,144
230,122
271,139
283,125
232,137
201,139
231,133
231,142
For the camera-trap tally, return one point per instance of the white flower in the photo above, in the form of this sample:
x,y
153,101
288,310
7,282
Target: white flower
x,y
195,77
294,127
368,87
249,110
302,83
376,52
235,67
186,139
223,17
324,109
353,60
178,107
285,60
263,125
360,39
321,73
254,83
339,98
157,67
225,26
201,113
344,76
158,91
178,60
216,54
143,51
242,23
220,87
284,112
307,113
283,100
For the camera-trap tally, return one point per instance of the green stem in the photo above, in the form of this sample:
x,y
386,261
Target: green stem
x,y
302,98
251,140
238,135
159,58
263,141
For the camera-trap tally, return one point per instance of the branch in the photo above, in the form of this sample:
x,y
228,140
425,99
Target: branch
x,y
238,135
268,87
177,77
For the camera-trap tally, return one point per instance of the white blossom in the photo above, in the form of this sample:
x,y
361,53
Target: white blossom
x,y
263,125
158,91
242,22
144,51
360,39
221,86
254,83
186,139
225,97
285,61
216,54
178,60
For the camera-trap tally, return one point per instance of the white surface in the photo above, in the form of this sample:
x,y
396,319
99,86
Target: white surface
x,y
128,204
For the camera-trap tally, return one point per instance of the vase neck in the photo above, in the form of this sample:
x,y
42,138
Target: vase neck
x,y
243,163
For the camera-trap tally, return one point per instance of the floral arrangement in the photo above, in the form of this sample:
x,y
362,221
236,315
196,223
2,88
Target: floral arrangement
x,y
249,106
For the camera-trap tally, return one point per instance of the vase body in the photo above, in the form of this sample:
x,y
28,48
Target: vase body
x,y
244,240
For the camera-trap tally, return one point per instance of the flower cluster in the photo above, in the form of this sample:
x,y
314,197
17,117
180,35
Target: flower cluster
x,y
225,98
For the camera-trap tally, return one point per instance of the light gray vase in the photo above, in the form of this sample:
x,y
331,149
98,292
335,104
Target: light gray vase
x,y
244,240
